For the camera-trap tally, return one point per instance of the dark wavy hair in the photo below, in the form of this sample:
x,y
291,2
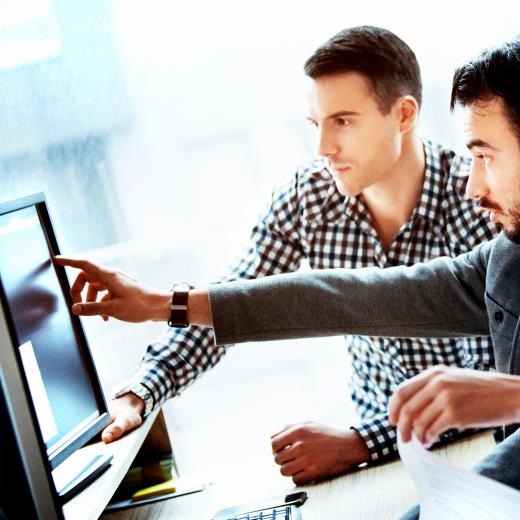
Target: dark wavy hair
x,y
494,73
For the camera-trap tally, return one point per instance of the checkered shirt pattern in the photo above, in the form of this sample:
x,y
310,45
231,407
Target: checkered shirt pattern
x,y
309,219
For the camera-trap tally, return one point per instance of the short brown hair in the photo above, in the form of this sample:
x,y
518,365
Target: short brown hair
x,y
379,55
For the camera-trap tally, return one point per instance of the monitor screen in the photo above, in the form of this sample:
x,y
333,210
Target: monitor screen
x,y
49,340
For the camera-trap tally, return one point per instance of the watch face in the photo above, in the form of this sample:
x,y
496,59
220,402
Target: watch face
x,y
145,395
140,391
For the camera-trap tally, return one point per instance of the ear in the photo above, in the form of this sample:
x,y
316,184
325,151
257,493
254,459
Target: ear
x,y
408,111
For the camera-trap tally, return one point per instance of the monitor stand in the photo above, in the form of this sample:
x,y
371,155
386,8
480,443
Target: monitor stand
x,y
78,471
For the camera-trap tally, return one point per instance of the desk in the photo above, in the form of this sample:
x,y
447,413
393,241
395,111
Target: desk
x,y
151,436
379,492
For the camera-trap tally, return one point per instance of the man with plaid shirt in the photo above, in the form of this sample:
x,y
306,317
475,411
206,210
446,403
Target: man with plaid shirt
x,y
379,196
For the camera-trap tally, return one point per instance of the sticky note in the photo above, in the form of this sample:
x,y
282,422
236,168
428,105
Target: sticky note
x,y
155,491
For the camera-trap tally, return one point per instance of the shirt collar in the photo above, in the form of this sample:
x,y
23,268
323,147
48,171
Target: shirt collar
x,y
339,207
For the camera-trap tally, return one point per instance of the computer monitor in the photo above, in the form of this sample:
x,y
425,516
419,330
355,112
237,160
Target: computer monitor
x,y
26,486
47,340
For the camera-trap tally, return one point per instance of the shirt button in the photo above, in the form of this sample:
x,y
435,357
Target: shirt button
x,y
499,316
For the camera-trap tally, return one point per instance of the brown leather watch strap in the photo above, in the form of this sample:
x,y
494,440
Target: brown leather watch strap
x,y
179,306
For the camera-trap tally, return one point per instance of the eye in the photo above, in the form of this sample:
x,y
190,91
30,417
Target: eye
x,y
481,156
342,121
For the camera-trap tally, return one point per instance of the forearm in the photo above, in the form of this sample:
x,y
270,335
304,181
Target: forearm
x,y
436,299
359,452
199,310
511,392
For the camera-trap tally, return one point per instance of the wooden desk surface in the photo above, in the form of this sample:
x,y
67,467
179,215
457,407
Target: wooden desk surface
x,y
381,492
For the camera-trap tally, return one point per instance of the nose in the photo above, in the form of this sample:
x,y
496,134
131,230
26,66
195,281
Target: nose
x,y
477,185
327,144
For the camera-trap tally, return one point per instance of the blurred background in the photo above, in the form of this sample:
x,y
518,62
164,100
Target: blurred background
x,y
157,131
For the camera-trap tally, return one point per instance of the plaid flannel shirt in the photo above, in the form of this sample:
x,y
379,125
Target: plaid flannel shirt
x,y
308,218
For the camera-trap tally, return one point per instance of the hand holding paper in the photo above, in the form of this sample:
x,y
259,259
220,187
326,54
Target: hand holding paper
x,y
443,397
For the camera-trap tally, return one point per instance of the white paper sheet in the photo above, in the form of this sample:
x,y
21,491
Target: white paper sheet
x,y
446,492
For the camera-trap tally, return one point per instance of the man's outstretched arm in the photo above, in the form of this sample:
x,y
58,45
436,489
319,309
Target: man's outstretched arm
x,y
440,298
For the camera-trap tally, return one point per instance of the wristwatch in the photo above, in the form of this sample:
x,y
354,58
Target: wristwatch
x,y
141,391
179,306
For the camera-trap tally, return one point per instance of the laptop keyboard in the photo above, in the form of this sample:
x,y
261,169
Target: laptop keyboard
x,y
277,513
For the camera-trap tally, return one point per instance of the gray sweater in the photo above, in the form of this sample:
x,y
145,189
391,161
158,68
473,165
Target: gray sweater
x,y
477,293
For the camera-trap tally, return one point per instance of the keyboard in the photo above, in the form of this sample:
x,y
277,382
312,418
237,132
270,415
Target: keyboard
x,y
276,513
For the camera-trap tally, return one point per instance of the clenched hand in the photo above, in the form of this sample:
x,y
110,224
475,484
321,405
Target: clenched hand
x,y
312,451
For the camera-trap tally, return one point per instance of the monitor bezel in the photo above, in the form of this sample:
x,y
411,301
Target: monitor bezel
x,y
38,201
29,442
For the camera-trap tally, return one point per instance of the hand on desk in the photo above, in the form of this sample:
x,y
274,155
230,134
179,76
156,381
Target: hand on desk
x,y
443,397
312,451
125,412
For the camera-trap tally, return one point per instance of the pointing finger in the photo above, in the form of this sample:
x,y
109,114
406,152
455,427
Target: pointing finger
x,y
98,272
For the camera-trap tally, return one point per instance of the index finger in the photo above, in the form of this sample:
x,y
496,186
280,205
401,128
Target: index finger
x,y
97,271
